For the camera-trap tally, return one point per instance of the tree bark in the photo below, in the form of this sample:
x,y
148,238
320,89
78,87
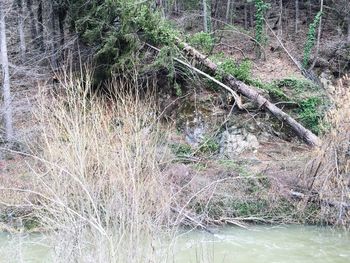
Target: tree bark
x,y
22,41
228,11
40,25
62,13
205,16
32,22
348,38
296,16
280,25
318,38
245,16
7,110
252,94
54,46
175,7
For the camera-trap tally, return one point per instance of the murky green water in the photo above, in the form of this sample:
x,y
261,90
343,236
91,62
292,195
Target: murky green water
x,y
268,244
257,244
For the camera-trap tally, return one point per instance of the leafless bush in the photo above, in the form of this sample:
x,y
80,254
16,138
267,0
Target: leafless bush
x,y
102,193
327,175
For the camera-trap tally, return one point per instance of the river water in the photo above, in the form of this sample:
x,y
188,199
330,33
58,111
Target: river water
x,y
283,244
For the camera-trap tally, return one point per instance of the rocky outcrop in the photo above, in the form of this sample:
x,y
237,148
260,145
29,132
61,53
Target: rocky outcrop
x,y
235,141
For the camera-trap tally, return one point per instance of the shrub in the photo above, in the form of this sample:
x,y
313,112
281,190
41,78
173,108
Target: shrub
x,y
100,185
241,71
297,84
310,114
203,41
329,164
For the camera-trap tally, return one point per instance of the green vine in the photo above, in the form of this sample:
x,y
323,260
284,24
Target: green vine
x,y
310,42
207,4
261,8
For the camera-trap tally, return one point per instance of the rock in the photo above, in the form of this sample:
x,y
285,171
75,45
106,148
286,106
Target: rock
x,y
327,80
195,131
237,140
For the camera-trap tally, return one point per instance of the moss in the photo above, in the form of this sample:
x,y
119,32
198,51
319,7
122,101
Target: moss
x,y
235,166
310,114
240,71
296,84
181,150
249,207
31,223
274,90
210,145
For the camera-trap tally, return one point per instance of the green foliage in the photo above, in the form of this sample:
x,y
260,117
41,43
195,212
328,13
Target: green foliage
x,y
202,41
209,146
117,29
261,8
243,73
31,223
244,208
178,89
297,84
240,71
310,114
310,100
181,150
274,90
310,42
165,60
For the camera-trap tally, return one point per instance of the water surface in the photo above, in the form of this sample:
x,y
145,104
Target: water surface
x,y
258,244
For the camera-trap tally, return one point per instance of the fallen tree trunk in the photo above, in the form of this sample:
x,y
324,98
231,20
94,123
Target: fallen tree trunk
x,y
252,94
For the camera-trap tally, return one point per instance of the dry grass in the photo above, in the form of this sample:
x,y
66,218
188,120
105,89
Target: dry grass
x,y
100,189
327,175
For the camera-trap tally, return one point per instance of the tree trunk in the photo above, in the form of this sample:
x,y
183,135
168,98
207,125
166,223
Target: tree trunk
x,y
205,16
7,110
40,25
318,38
245,16
280,25
251,14
249,92
309,8
22,41
62,13
348,38
175,7
228,11
54,47
296,16
32,22
214,11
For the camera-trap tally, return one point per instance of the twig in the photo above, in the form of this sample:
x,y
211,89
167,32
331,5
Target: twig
x,y
191,219
230,46
285,49
233,93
